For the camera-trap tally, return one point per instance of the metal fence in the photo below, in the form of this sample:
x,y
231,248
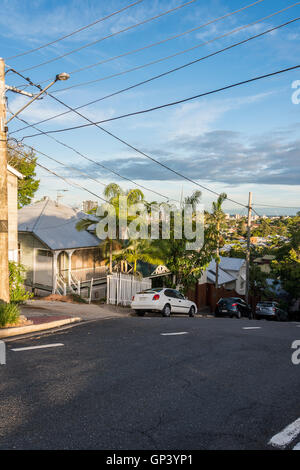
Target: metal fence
x,y
121,288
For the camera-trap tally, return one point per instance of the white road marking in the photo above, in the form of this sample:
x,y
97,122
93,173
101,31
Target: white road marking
x,y
2,353
54,345
287,435
297,446
174,334
251,327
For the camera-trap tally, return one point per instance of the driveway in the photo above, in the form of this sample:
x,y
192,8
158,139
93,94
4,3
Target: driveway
x,y
85,311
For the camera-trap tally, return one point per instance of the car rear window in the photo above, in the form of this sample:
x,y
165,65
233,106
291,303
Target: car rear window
x,y
227,301
150,291
265,304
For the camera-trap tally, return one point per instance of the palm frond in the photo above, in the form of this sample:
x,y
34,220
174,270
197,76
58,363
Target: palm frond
x,y
84,224
112,190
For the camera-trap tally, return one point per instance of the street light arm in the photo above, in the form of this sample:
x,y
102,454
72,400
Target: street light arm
x,y
33,99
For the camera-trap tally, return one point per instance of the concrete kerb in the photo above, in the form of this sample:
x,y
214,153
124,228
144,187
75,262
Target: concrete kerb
x,y
21,330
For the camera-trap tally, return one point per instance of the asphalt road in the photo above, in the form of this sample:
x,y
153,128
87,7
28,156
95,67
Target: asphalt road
x,y
120,384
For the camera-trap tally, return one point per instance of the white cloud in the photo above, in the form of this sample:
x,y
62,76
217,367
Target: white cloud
x,y
198,117
42,109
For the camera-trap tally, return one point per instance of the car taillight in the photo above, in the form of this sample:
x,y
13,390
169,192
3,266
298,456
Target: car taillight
x,y
155,297
132,298
233,305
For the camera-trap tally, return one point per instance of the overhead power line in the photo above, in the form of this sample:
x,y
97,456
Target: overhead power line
x,y
129,145
275,206
176,36
128,28
91,161
30,51
162,59
162,74
169,104
72,183
166,105
72,168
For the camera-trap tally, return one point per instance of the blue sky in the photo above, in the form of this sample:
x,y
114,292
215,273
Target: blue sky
x,y
244,139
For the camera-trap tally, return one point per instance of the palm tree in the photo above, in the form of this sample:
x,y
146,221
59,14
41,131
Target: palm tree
x,y
172,252
217,217
112,193
193,200
138,250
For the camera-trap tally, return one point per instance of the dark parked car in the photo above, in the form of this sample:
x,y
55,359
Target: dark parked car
x,y
270,310
232,306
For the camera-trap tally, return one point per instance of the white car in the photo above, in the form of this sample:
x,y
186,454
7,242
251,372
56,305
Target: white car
x,y
162,300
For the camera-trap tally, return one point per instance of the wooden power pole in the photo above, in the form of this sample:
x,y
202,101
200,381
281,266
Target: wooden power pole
x,y
4,275
248,248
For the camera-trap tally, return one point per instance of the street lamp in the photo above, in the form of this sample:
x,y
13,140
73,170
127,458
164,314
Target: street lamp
x,y
62,76
59,77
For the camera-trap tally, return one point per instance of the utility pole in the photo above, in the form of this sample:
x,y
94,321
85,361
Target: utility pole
x,y
4,272
248,248
217,253
4,275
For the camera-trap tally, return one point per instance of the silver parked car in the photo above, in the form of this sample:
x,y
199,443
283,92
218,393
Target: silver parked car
x,y
270,310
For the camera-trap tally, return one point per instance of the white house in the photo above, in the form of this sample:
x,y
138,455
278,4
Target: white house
x,y
13,176
57,256
232,274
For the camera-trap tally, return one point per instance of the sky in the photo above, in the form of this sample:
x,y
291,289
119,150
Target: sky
x,y
243,139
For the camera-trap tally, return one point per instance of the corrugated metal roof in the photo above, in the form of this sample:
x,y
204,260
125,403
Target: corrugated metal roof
x,y
223,277
55,225
228,264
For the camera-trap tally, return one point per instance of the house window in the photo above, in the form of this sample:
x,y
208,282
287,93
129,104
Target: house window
x,y
86,259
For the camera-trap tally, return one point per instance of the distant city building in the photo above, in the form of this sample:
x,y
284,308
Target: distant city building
x,y
89,205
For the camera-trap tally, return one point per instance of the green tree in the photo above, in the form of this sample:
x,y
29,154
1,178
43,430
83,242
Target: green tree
x,y
185,265
138,250
286,267
25,162
258,283
17,291
217,218
112,193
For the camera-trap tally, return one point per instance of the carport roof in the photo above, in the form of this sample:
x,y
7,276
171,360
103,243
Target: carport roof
x,y
55,225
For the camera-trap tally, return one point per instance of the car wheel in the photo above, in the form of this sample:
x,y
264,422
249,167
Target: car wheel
x,y
192,311
140,313
166,311
238,315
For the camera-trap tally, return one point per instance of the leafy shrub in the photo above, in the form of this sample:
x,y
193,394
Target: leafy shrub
x,y
9,314
17,290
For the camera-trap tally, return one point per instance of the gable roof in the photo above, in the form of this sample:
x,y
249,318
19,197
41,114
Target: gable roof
x,y
228,264
223,277
55,225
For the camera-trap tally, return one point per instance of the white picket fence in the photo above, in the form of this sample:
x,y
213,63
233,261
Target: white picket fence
x,y
121,288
